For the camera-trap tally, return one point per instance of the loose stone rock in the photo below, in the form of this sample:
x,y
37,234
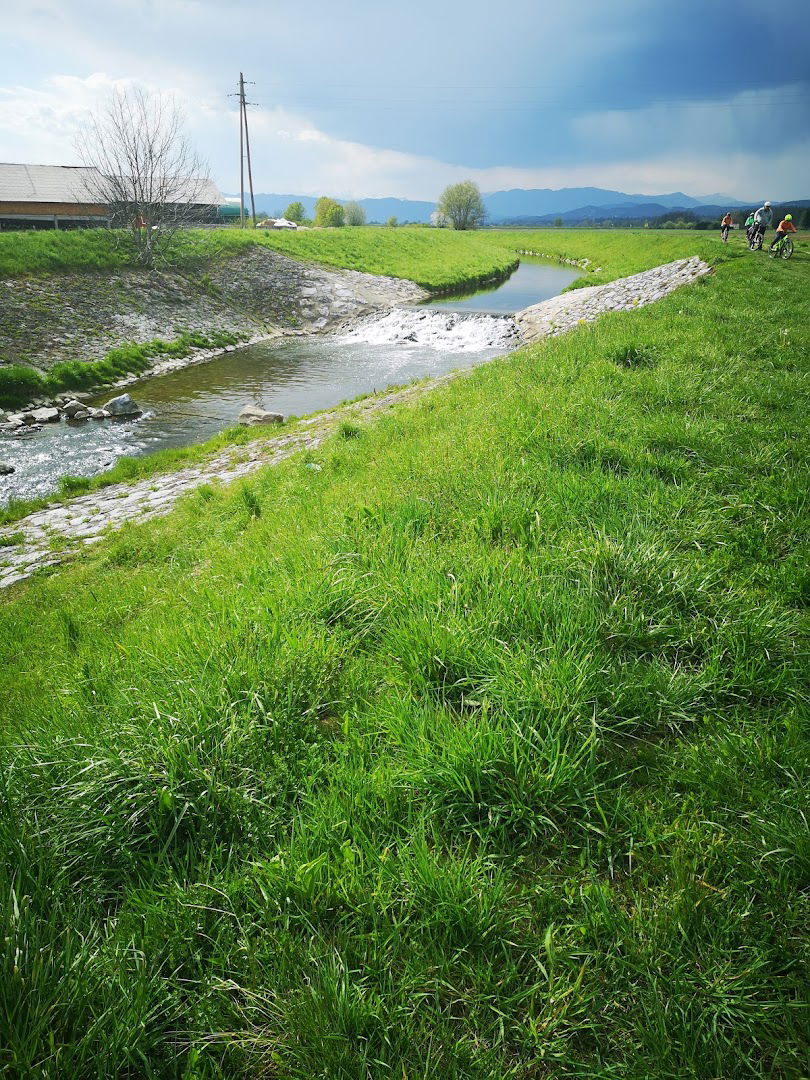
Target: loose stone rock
x,y
71,407
6,469
123,405
252,415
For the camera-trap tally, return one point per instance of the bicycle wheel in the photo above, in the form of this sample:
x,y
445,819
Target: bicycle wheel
x,y
787,248
774,250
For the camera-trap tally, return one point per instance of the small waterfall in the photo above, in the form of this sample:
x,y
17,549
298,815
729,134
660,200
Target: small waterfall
x,y
449,331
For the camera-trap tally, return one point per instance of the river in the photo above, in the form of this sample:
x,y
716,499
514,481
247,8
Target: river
x,y
293,376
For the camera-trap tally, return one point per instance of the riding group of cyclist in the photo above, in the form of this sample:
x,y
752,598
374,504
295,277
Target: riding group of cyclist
x,y
756,225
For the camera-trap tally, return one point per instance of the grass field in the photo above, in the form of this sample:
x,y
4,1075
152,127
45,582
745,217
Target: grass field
x,y
480,752
437,259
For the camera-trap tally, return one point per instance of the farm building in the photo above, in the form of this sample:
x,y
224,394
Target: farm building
x,y
47,197
61,197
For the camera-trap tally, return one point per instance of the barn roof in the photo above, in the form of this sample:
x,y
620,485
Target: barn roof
x,y
67,184
45,183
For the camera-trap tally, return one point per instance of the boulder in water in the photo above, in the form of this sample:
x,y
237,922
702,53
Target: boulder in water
x,y
46,416
6,469
123,405
252,415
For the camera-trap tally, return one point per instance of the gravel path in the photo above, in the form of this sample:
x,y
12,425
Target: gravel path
x,y
48,536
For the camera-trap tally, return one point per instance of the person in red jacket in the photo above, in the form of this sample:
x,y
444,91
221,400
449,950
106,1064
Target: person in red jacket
x,y
784,227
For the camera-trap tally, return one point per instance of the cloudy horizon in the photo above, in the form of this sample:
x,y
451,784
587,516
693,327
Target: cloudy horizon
x,y
399,104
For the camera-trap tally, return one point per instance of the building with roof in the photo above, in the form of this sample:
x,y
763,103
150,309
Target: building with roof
x,y
65,196
48,196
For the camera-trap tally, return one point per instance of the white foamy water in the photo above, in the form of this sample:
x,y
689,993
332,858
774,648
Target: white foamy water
x,y
449,331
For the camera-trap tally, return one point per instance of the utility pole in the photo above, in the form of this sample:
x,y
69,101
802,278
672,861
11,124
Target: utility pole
x,y
244,144
241,152
250,170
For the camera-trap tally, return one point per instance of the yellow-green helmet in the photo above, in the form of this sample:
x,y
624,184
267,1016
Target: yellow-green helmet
x,y
788,217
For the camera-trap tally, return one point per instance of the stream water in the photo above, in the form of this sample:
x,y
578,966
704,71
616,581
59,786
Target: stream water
x,y
294,377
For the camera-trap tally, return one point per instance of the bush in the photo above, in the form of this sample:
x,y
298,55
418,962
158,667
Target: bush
x,y
18,384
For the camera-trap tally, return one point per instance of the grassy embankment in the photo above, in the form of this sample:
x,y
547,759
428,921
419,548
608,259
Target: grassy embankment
x,y
442,261
439,260
479,753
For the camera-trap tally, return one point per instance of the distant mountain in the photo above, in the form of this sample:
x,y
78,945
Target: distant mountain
x,y
536,206
632,212
538,202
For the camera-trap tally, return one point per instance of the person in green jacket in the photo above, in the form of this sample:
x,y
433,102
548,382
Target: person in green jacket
x,y
749,224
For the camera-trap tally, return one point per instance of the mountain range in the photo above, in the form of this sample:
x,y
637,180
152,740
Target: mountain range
x,y
536,206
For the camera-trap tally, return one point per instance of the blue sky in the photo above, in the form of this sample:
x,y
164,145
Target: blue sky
x,y
372,99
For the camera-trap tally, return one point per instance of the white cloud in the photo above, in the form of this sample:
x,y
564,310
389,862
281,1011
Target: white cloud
x,y
291,154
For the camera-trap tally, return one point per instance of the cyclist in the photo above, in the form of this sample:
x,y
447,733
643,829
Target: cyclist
x,y
762,221
784,227
725,225
749,224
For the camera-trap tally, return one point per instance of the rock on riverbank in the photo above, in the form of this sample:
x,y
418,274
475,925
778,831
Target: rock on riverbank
x,y
565,312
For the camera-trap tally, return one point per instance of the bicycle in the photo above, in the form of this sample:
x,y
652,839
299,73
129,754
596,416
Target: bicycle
x,y
755,243
782,248
724,233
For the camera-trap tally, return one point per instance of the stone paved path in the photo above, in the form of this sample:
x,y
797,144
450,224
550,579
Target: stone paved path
x,y
48,536
566,311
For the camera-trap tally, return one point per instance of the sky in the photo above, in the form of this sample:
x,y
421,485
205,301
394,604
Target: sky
x,y
369,99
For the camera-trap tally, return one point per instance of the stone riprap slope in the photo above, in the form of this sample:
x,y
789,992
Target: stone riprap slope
x,y
278,290
81,316
45,320
48,536
564,312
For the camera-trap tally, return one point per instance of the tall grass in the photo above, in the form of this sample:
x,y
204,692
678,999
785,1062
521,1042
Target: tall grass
x,y
480,752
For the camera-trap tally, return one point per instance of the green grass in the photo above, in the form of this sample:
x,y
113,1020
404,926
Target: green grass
x,y
19,383
437,259
480,752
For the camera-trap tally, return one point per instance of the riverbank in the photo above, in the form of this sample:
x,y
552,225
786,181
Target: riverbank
x,y
50,321
72,313
471,742
77,522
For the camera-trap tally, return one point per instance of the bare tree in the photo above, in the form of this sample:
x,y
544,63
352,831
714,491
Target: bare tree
x,y
146,171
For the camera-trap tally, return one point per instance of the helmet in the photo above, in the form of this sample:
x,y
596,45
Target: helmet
x,y
788,217
766,203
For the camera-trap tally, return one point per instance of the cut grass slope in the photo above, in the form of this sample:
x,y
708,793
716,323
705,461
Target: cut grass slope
x,y
438,259
480,752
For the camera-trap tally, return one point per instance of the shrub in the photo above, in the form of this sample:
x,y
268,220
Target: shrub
x,y
18,384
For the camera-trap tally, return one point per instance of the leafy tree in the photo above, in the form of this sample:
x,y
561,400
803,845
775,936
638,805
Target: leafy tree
x,y
392,222
328,213
462,205
557,222
354,213
295,212
806,219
